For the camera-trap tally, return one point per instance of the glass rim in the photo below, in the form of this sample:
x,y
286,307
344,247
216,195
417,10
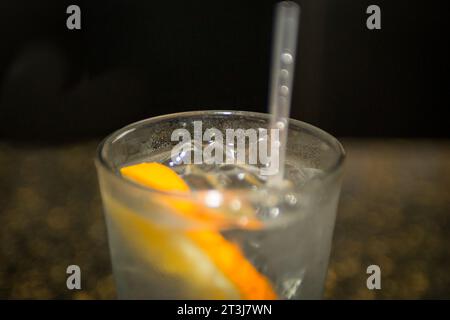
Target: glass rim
x,y
114,136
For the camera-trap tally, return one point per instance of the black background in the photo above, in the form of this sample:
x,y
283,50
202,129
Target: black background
x,y
135,59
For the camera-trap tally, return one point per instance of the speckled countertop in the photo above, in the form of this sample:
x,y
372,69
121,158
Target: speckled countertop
x,y
394,212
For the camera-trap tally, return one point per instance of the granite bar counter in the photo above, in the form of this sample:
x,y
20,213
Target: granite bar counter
x,y
394,212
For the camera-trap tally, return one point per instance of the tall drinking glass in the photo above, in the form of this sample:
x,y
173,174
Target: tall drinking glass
x,y
233,235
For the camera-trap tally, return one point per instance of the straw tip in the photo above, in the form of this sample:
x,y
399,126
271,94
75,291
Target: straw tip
x,y
288,4
288,9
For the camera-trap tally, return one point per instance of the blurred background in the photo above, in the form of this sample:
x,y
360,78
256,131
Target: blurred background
x,y
384,93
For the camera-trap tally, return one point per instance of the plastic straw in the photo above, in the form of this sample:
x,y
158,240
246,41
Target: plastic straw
x,y
283,61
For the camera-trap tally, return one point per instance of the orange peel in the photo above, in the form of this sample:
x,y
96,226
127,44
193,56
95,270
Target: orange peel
x,y
162,178
226,256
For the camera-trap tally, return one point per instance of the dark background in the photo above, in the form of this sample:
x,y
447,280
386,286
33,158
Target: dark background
x,y
135,59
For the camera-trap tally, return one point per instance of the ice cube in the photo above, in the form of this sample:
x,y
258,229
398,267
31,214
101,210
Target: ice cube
x,y
299,176
198,182
238,177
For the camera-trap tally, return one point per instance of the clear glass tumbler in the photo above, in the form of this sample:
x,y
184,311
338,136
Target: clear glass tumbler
x,y
240,239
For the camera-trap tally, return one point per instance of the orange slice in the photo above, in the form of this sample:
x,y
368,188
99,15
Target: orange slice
x,y
219,259
160,177
156,176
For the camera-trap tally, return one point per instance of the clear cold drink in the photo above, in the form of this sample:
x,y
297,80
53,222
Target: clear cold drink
x,y
156,256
